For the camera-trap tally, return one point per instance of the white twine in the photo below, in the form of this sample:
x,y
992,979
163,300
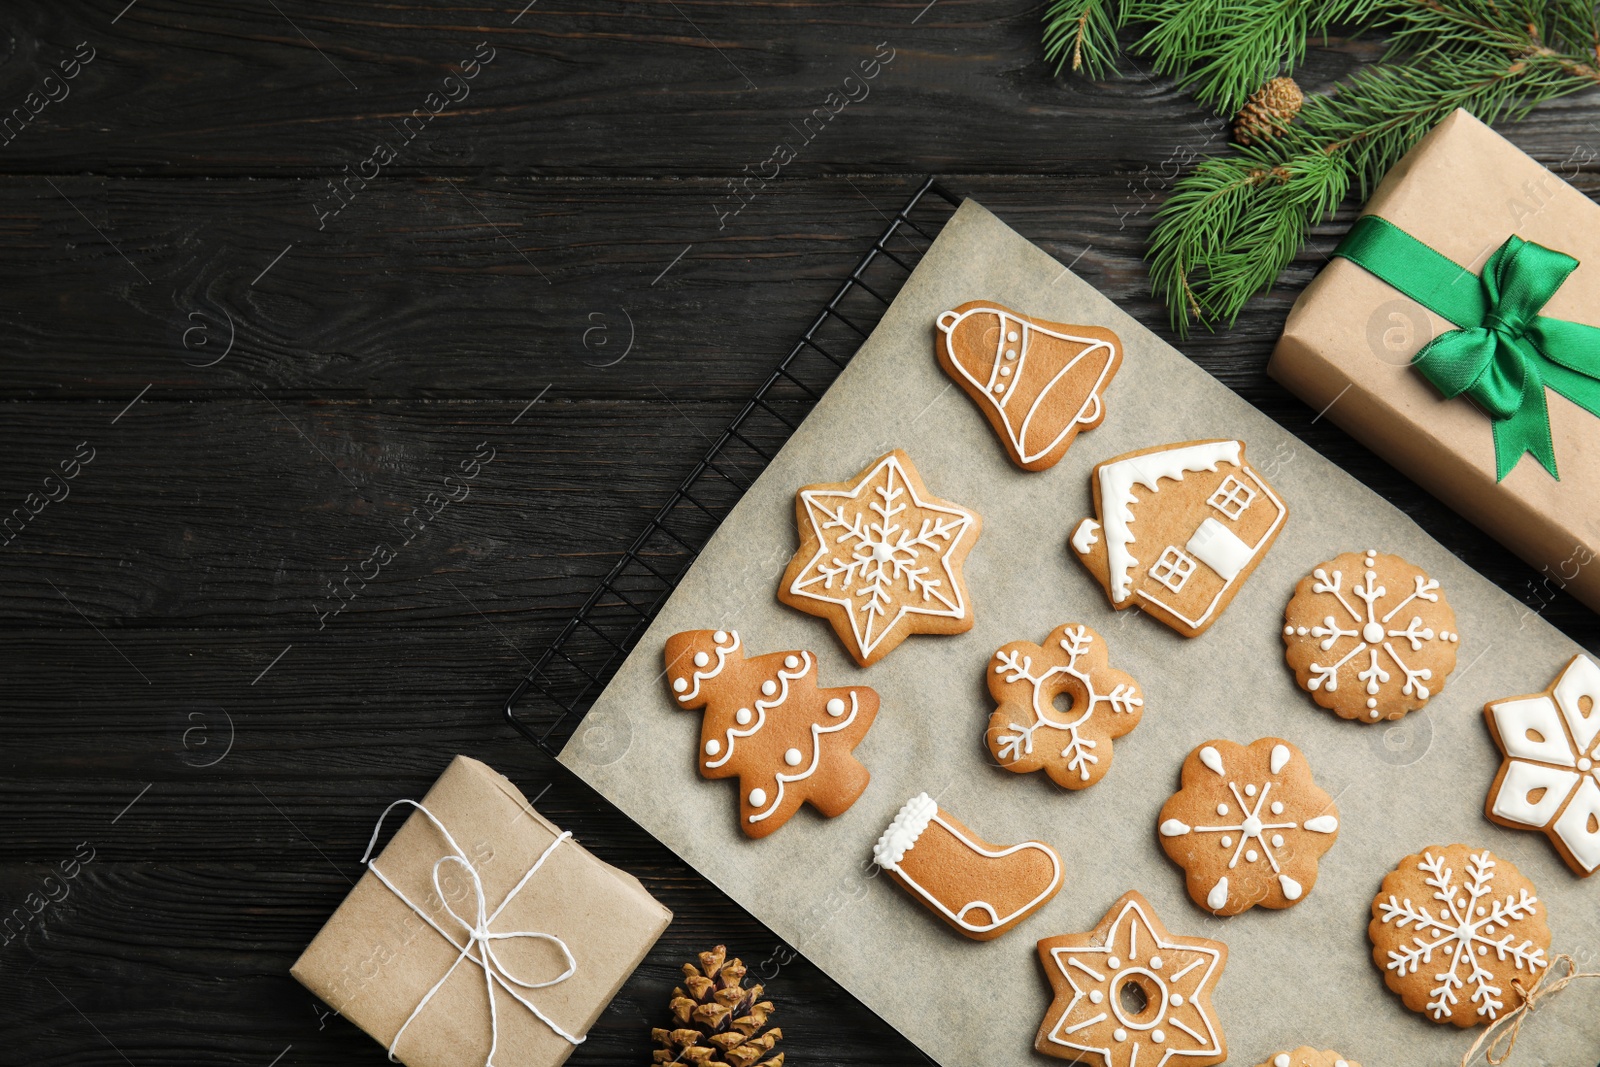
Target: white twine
x,y
478,934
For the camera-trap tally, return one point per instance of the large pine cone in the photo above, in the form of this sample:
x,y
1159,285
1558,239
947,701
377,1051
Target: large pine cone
x,y
716,1020
1268,112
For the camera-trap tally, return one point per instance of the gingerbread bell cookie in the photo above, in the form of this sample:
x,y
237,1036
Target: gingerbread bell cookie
x,y
1306,1056
1029,732
980,889
1550,777
1129,993
880,558
1037,382
1370,636
1178,529
1248,826
1451,928
767,723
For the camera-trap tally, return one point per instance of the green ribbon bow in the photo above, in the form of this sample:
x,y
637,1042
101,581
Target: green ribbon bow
x,y
1505,352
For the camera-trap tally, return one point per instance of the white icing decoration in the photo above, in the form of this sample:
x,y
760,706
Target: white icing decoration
x,y
1371,634
1218,897
1174,828
1340,1063
1520,721
1291,888
1281,1060
1220,549
701,659
793,757
1017,431
1522,778
1280,759
758,798
791,662
864,555
1016,667
1095,996
1250,855
1155,965
730,638
1119,1033
1277,807
902,834
1277,840
744,716
1222,809
1454,932
713,746
1226,841
1213,759
835,707
1157,1036
1573,826
769,687
1322,824
1086,536
1250,790
1580,679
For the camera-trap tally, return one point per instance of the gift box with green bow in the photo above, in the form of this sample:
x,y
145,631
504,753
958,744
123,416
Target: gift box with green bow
x,y
1456,332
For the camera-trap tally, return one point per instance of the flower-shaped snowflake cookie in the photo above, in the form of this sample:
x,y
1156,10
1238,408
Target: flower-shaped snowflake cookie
x,y
1128,986
1306,1056
1550,777
1370,636
880,558
1248,825
1456,933
1028,732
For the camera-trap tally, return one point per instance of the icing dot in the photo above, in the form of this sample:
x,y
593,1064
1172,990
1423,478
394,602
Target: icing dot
x,y
720,636
1372,633
1012,336
1372,552
1454,637
791,662
1302,631
1113,963
1177,1000
1482,949
999,387
1119,1034
742,716
769,687
1250,854
701,659
882,553
1005,372
836,707
1288,631
1227,841
713,746
1482,910
758,797
792,757
1095,996
1157,1036
1277,840
1585,763
1222,809
1250,790
1281,1060
1277,807
1011,353
1340,1063
1155,963
680,684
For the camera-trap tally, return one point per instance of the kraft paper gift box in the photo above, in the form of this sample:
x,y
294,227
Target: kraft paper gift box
x,y
377,959
1348,344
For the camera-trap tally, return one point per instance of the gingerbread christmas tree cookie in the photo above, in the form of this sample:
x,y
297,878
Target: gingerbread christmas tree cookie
x,y
979,888
1037,382
1128,993
1455,931
1178,529
1550,777
768,724
880,558
1370,636
1029,731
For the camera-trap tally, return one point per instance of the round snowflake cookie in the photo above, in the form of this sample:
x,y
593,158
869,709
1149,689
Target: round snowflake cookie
x,y
1249,826
1459,934
1306,1056
1370,636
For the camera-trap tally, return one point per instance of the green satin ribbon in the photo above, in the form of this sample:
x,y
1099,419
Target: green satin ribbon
x,y
1505,352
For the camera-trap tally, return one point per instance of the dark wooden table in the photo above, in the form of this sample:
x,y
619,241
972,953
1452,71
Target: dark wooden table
x,y
277,311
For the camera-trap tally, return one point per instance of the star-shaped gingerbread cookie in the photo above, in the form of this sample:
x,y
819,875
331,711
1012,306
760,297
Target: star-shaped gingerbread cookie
x,y
1129,987
880,558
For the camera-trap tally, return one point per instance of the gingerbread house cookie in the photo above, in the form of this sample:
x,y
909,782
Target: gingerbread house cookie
x,y
1178,529
1037,382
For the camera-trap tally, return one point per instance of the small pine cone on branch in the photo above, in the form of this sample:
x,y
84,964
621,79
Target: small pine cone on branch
x,y
1268,112
716,1020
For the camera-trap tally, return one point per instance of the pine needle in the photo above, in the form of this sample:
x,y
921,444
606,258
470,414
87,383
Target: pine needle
x,y
1082,34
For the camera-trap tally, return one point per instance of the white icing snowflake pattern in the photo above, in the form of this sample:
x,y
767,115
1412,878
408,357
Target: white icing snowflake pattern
x,y
883,553
1123,699
1462,929
1371,634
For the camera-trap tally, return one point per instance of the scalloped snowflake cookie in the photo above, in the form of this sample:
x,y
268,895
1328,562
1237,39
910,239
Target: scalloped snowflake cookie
x,y
1029,732
1306,1056
1456,933
1550,777
1248,826
880,558
1370,636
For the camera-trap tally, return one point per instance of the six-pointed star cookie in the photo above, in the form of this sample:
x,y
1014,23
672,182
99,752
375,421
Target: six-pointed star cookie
x,y
1129,994
880,558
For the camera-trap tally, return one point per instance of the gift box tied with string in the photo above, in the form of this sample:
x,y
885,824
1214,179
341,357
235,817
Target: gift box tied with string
x,y
1456,333
482,933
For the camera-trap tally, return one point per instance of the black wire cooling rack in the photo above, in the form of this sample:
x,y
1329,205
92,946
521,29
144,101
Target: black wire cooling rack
x,y
569,674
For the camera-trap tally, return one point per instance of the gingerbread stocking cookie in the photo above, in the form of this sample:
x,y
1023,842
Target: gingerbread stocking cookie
x,y
1037,382
1028,732
768,723
982,890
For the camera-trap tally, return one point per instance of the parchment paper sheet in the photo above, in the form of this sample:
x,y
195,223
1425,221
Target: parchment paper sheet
x,y
1300,976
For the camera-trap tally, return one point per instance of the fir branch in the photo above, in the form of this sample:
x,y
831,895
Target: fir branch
x,y
1082,33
